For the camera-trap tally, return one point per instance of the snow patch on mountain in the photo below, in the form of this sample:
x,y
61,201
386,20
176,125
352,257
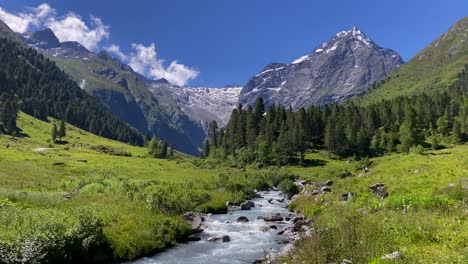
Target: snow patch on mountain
x,y
203,104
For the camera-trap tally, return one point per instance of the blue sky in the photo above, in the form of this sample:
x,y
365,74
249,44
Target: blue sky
x,y
215,42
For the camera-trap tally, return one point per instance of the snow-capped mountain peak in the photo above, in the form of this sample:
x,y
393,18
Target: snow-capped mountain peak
x,y
335,70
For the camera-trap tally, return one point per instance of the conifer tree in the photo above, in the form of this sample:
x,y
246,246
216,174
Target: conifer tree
x,y
54,133
62,132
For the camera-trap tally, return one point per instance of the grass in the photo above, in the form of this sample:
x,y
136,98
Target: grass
x,y
424,216
126,206
38,178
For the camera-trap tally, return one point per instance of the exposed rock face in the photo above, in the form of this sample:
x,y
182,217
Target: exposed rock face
x,y
45,41
338,69
204,104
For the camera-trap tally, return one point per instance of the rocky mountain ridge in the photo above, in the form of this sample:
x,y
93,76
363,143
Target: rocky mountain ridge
x,y
338,69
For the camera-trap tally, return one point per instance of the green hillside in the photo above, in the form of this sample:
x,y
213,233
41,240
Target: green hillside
x,y
126,94
93,188
434,68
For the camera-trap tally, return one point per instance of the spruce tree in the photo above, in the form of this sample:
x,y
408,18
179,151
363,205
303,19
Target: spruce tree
x,y
54,133
62,132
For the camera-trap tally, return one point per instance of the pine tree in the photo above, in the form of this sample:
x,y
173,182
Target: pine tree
x,y
54,133
170,153
213,134
163,153
62,132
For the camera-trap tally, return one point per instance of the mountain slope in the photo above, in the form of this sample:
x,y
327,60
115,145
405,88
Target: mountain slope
x,y
44,90
6,32
338,69
126,94
122,90
434,68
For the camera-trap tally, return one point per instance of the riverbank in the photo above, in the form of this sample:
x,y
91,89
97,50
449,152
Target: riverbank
x,y
404,208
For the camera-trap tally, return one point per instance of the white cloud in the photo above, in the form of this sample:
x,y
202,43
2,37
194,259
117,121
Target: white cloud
x,y
73,28
145,61
68,28
21,22
115,49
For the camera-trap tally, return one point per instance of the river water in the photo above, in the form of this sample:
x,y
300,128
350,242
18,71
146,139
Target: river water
x,y
248,241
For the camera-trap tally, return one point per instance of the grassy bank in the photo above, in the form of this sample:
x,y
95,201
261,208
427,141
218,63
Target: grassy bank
x,y
423,217
92,199
89,198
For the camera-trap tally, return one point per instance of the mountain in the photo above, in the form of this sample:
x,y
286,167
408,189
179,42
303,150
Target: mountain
x,y
46,42
338,69
434,68
202,104
6,32
41,89
122,90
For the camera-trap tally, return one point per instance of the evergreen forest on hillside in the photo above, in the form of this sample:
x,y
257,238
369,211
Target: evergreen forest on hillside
x,y
35,85
282,136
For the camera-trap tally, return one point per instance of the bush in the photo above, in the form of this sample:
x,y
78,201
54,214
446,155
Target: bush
x,y
417,150
288,187
175,198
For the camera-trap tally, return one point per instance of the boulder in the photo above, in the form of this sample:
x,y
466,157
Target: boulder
x,y
379,189
247,205
346,261
282,241
325,189
273,227
299,224
394,255
242,219
193,238
223,238
347,196
298,218
287,231
314,192
265,228
195,220
287,219
273,218
329,183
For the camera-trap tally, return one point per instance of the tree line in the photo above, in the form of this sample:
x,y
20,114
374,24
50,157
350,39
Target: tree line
x,y
279,135
34,84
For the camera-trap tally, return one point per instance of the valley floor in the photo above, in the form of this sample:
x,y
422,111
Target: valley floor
x,y
102,199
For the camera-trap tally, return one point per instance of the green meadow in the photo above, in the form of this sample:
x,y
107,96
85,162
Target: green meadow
x,y
51,195
89,199
423,217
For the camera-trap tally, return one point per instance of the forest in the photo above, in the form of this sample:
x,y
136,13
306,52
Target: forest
x,y
34,84
279,135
